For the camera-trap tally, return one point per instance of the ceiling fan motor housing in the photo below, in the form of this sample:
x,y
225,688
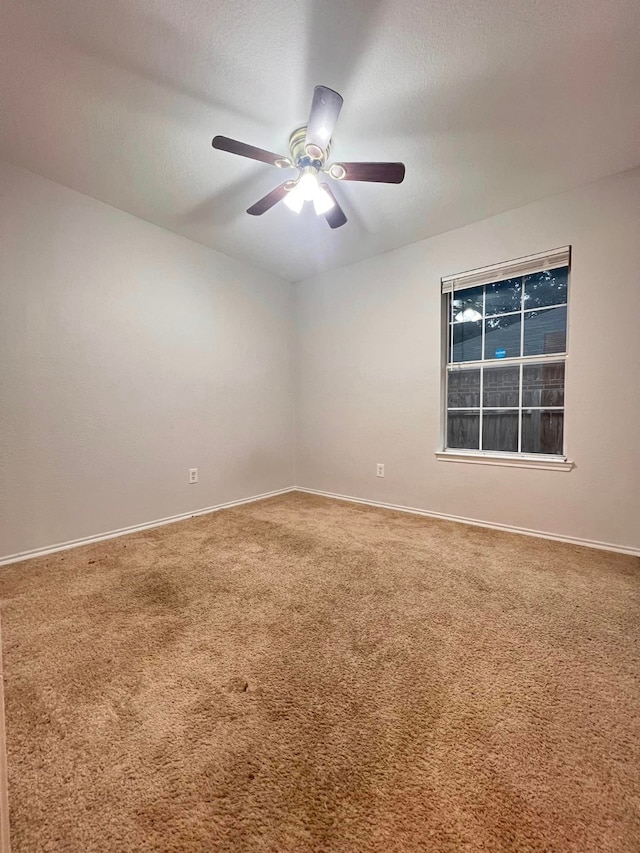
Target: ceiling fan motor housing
x,y
311,155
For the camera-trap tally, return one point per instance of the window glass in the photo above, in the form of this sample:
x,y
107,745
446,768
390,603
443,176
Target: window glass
x,y
503,296
500,430
543,384
546,288
467,304
545,331
501,387
542,431
463,430
467,341
463,391
502,337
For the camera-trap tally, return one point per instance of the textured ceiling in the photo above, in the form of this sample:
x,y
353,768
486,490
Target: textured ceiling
x,y
490,104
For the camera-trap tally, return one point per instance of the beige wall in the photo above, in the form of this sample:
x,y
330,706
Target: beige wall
x,y
128,355
369,372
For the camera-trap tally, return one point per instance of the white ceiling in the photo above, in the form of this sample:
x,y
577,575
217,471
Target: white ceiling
x,y
490,104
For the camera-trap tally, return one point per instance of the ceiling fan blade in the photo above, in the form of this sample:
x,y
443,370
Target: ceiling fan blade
x,y
325,109
384,173
223,143
336,216
269,200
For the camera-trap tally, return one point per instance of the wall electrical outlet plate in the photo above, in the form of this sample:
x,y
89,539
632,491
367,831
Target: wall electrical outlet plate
x,y
380,469
193,475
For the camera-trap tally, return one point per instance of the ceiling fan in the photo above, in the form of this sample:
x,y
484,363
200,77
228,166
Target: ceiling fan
x,y
309,148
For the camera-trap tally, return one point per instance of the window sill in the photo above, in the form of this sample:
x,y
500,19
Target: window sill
x,y
547,463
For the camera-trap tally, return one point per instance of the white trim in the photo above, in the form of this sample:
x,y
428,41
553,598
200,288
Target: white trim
x,y
479,457
510,269
136,528
505,409
522,310
507,528
506,362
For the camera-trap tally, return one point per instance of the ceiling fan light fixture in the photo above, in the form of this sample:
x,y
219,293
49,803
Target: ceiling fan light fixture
x,y
322,201
305,189
294,199
308,184
337,171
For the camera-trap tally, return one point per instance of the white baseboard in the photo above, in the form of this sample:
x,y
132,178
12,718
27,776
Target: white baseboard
x,y
123,531
507,528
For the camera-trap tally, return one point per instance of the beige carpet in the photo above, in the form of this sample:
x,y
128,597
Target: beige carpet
x,y
309,675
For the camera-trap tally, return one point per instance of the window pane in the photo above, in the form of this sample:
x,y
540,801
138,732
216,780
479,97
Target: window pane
x,y
546,288
501,386
543,384
463,389
463,430
504,296
467,304
542,431
502,337
467,341
500,431
545,331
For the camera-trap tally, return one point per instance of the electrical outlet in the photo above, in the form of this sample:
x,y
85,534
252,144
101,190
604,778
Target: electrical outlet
x,y
380,470
193,475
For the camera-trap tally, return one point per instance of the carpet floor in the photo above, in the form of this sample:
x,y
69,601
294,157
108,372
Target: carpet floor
x,y
302,674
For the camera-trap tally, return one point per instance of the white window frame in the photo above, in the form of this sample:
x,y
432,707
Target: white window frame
x,y
488,275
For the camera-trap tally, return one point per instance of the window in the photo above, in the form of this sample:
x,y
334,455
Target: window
x,y
506,330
